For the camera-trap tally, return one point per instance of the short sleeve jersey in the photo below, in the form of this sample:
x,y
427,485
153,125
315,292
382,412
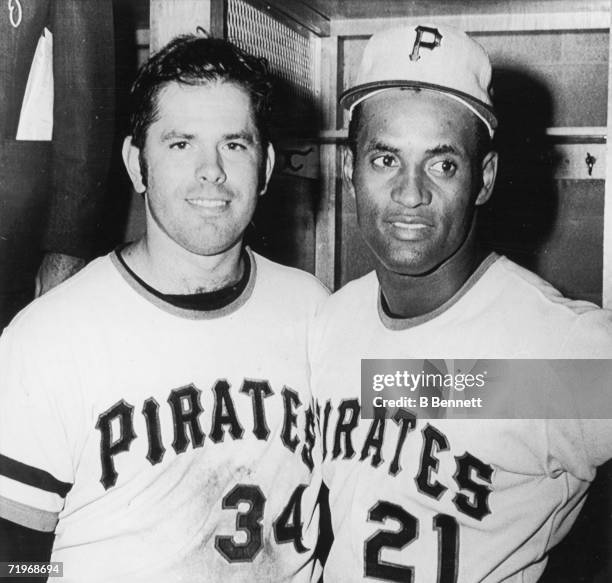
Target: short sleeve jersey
x,y
163,444
438,500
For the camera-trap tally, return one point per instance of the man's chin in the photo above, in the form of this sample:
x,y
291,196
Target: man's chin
x,y
421,260
409,268
210,248
415,263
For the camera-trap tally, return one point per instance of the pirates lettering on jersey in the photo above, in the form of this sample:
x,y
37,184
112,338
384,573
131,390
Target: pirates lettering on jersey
x,y
109,448
259,391
291,401
348,417
225,414
472,476
117,432
186,408
433,441
156,452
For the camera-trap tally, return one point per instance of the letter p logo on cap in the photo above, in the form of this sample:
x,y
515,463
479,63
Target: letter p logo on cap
x,y
419,42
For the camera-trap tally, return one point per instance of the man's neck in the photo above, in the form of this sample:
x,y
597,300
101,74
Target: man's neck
x,y
177,271
409,296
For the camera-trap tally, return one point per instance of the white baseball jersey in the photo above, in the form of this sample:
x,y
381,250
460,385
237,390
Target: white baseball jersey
x,y
446,501
163,444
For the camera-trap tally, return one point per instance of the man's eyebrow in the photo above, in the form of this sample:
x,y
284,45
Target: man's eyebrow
x,y
179,135
442,149
379,145
176,135
246,136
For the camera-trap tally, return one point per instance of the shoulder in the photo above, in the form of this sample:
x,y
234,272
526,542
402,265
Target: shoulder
x,y
40,348
577,327
590,335
520,282
283,279
353,307
355,295
70,300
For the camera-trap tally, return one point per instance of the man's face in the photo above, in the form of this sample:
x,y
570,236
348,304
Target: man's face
x,y
204,162
417,178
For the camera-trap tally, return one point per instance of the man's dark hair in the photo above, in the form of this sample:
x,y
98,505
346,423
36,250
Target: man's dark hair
x,y
196,60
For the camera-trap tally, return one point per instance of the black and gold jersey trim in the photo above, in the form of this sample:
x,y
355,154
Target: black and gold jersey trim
x,y
24,515
31,476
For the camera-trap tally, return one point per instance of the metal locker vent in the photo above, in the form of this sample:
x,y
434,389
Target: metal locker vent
x,y
290,55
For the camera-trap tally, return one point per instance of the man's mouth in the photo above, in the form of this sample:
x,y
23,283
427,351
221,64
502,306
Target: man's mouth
x,y
209,203
409,227
409,221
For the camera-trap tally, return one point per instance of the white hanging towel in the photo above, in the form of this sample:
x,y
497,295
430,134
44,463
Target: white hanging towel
x,y
36,118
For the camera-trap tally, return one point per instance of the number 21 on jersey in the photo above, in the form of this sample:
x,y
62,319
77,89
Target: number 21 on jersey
x,y
448,544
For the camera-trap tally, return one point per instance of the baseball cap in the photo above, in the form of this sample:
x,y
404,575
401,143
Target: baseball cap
x,y
440,58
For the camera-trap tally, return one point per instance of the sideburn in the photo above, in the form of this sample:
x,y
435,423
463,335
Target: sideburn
x,y
144,169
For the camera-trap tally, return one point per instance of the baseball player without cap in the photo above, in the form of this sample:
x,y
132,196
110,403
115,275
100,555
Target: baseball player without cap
x,y
440,58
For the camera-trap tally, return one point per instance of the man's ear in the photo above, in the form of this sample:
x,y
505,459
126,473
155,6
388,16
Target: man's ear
x,y
347,170
131,159
270,158
489,172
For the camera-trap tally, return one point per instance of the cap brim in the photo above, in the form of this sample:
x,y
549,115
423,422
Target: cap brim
x,y
360,92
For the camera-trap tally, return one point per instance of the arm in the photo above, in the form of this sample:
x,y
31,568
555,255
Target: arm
x,y
21,544
83,127
55,268
36,471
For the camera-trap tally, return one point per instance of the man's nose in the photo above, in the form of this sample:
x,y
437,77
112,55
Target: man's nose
x,y
210,168
409,188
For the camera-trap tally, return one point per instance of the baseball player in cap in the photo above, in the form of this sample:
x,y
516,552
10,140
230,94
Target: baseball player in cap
x,y
441,500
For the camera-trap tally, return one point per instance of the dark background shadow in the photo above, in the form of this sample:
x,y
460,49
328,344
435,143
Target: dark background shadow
x,y
116,209
519,217
584,556
518,222
550,225
283,227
